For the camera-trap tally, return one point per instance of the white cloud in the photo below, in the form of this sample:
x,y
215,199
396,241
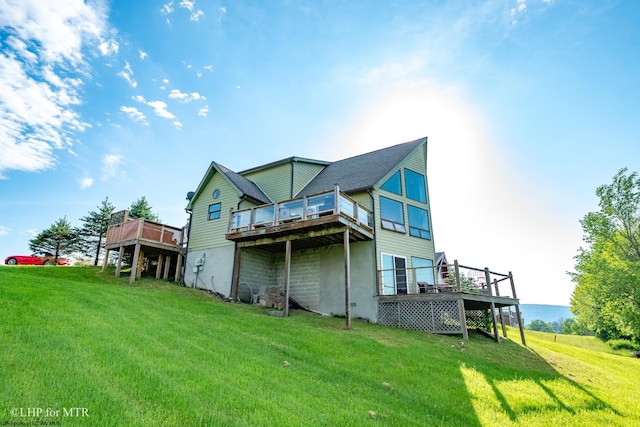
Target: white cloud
x,y
521,7
222,9
185,97
4,230
107,47
209,67
111,165
160,108
167,8
41,64
187,4
127,74
142,54
86,182
134,113
195,16
32,231
203,111
165,81
198,74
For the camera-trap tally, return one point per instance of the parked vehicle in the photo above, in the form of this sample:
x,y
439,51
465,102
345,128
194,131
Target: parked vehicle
x,y
46,259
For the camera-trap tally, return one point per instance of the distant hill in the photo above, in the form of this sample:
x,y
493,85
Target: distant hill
x,y
546,313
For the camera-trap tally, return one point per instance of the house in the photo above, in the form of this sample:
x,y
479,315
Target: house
x,y
352,237
243,225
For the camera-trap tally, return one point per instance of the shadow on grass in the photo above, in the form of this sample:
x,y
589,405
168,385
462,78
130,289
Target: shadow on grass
x,y
526,386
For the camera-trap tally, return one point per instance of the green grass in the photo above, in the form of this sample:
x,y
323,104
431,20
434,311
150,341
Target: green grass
x,y
155,354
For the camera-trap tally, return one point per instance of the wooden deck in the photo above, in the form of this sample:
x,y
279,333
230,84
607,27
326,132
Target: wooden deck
x,y
451,305
312,221
147,242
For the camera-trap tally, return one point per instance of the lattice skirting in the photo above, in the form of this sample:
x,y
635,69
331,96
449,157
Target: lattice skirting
x,y
478,319
439,317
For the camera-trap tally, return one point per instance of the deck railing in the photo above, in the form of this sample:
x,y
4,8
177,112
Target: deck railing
x,y
141,229
301,209
456,278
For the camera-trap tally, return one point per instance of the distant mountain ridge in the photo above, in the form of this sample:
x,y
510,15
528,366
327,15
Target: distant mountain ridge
x,y
544,312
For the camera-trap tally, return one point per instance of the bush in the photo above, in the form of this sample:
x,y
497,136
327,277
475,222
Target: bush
x,y
623,345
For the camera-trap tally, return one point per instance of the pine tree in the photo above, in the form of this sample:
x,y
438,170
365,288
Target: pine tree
x,y
59,239
94,230
142,209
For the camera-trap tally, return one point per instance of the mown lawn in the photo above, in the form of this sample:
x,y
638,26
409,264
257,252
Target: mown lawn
x,y
155,354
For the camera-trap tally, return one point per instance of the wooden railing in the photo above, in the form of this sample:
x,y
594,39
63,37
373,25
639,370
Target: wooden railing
x,y
140,229
458,278
301,209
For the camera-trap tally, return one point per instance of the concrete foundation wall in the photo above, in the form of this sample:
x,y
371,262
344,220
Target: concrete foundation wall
x,y
317,277
256,269
363,281
217,271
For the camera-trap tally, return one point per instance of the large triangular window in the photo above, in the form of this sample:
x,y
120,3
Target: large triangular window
x,y
393,184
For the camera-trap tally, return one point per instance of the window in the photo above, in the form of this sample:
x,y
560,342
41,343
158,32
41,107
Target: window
x,y
392,215
418,222
393,184
214,211
423,269
416,188
394,275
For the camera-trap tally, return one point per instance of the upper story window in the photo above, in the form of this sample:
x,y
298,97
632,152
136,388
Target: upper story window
x,y
415,186
418,222
392,215
214,211
393,184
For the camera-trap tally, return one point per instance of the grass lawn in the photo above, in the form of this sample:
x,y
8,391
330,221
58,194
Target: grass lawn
x,y
156,354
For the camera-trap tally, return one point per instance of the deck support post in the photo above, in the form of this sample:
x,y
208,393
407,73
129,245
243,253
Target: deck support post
x,y
119,264
106,259
178,277
347,279
513,290
487,277
463,319
140,262
504,328
135,261
456,266
287,276
159,268
235,280
167,266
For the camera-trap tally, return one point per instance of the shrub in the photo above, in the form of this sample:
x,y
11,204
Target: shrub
x,y
623,345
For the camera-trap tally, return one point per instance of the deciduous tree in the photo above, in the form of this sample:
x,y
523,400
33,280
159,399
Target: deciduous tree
x,y
607,294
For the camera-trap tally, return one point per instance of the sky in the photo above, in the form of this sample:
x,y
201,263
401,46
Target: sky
x,y
528,106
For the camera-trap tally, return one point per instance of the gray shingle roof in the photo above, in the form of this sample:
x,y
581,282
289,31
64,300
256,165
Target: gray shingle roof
x,y
360,172
247,187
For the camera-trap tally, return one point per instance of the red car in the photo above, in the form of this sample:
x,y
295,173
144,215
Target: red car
x,y
34,260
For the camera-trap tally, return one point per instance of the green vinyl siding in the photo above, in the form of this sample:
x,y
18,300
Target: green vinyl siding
x,y
403,244
304,172
207,233
275,182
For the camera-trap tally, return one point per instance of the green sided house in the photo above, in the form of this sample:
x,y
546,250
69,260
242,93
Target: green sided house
x,y
352,237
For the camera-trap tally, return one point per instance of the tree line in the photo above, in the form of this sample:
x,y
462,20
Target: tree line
x,y
62,239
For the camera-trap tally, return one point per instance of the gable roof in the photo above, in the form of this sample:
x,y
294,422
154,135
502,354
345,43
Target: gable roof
x,y
243,186
361,172
247,187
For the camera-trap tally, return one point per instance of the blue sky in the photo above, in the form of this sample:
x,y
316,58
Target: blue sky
x,y
529,105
